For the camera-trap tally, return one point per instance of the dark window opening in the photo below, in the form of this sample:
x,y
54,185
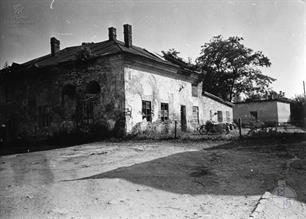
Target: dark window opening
x,y
220,116
93,87
254,115
183,118
195,114
44,116
146,110
194,90
69,91
164,111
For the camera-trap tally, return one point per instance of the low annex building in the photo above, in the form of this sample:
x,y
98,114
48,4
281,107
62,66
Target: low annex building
x,y
270,111
111,86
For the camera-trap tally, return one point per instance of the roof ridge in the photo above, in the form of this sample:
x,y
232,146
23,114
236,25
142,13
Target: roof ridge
x,y
117,44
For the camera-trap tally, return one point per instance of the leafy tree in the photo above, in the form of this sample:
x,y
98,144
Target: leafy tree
x,y
6,65
172,56
85,53
298,110
5,68
230,69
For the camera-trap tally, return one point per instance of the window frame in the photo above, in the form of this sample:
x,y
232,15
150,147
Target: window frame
x,y
254,115
195,114
220,116
146,110
194,90
228,117
164,111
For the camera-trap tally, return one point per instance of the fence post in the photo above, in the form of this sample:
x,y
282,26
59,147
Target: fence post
x,y
239,126
175,125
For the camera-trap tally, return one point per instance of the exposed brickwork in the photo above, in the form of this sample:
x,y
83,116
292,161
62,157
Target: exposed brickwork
x,y
36,105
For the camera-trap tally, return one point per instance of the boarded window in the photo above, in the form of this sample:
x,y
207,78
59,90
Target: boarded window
x,y
194,90
146,110
228,118
164,114
220,116
253,115
195,114
44,116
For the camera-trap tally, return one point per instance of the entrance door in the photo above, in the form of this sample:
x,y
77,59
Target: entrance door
x,y
183,118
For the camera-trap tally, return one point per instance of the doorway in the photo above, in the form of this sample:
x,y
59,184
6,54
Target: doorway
x,y
183,118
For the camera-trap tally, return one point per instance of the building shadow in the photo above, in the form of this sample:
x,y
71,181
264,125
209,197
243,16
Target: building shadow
x,y
204,172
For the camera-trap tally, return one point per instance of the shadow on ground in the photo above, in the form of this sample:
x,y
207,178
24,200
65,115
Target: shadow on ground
x,y
215,171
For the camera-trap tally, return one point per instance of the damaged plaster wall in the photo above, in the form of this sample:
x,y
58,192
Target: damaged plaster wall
x,y
41,92
143,85
208,108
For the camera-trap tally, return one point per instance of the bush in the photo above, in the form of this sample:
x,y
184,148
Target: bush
x,y
153,130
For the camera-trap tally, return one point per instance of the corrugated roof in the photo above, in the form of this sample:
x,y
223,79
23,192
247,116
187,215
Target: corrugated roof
x,y
97,49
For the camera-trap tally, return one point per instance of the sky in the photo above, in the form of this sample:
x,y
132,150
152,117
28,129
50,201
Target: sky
x,y
275,27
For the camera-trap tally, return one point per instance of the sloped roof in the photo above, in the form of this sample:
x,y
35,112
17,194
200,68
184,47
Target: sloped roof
x,y
97,49
216,98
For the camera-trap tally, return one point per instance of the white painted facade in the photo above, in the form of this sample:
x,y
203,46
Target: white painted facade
x,y
158,88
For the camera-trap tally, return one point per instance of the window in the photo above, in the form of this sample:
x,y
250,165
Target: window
x,y
146,110
253,115
220,116
211,115
44,116
164,113
69,91
228,118
194,90
195,114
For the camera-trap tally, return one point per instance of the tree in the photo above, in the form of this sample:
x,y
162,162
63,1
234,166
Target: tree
x,y
6,65
298,110
5,68
230,69
172,56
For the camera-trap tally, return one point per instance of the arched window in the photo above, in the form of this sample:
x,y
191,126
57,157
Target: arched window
x,y
93,87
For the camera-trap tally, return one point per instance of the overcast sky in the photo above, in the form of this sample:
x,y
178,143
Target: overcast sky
x,y
276,27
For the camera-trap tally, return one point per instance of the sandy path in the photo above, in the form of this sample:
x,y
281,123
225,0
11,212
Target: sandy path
x,y
135,180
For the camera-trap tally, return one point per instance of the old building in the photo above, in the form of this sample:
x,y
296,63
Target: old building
x,y
110,86
270,111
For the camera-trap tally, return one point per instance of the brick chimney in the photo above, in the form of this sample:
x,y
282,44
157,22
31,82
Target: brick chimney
x,y
55,45
112,35
127,35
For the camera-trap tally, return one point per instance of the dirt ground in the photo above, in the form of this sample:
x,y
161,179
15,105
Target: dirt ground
x,y
154,179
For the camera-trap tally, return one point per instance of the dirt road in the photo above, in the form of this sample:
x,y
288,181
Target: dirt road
x,y
143,179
